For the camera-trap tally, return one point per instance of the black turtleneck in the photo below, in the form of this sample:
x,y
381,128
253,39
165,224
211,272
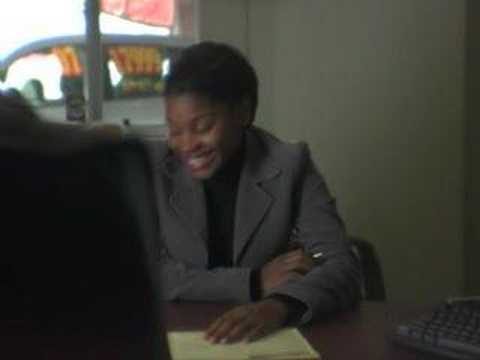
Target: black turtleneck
x,y
221,194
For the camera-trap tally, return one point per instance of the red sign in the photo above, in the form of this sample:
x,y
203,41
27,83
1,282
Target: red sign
x,y
152,12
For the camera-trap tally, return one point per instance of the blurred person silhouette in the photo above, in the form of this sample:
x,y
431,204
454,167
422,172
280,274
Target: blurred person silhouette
x,y
77,220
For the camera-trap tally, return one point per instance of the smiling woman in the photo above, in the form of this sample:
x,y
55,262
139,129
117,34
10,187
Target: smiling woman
x,y
232,198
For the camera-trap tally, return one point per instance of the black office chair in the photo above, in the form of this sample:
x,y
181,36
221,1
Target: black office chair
x,y
78,230
373,282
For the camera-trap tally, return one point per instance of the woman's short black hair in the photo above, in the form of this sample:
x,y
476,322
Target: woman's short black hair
x,y
216,71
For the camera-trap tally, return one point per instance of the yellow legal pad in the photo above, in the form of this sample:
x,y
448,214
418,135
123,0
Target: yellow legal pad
x,y
286,344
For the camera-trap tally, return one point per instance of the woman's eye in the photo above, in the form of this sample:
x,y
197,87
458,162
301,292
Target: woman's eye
x,y
204,125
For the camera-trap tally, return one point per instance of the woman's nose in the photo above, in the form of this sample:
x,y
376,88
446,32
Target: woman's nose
x,y
187,143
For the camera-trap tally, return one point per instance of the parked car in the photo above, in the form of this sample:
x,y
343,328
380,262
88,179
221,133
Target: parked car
x,y
48,72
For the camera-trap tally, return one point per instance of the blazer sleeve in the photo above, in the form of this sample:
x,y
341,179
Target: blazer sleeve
x,y
335,284
184,282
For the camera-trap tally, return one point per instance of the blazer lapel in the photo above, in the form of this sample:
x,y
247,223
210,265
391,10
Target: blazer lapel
x,y
187,199
253,200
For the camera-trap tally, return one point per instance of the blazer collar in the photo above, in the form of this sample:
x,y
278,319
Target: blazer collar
x,y
254,196
187,198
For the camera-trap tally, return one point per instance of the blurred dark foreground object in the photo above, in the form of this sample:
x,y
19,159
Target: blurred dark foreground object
x,y
78,222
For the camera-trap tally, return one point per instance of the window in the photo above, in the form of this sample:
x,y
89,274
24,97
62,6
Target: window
x,y
45,60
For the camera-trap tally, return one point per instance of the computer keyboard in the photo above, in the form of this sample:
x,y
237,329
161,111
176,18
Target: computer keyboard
x,y
452,330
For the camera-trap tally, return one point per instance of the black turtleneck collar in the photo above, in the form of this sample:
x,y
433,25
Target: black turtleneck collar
x,y
230,171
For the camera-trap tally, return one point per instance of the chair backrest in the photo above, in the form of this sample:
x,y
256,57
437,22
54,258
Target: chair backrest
x,y
75,254
373,283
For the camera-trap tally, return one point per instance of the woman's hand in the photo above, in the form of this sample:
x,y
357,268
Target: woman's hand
x,y
248,322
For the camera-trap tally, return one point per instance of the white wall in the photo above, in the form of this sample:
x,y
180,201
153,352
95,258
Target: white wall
x,y
224,21
376,88
473,149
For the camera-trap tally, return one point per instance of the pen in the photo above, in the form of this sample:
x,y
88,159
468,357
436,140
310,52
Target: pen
x,y
318,258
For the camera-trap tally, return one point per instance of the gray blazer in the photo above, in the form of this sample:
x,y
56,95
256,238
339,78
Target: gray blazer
x,y
280,195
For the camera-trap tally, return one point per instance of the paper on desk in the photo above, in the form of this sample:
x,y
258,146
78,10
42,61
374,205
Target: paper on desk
x,y
283,345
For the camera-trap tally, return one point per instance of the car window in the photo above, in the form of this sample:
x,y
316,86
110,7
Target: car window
x,y
133,80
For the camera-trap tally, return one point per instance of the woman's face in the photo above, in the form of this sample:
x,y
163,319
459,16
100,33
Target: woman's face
x,y
203,134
